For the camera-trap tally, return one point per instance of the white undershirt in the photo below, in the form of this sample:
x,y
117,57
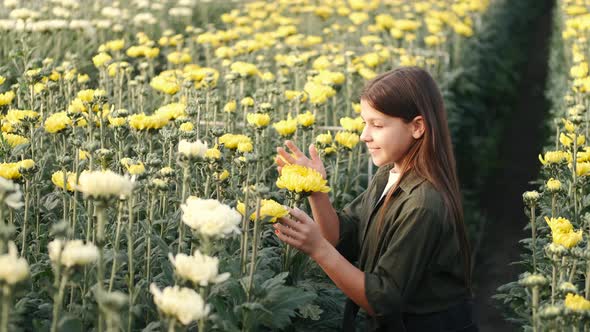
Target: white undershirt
x,y
393,177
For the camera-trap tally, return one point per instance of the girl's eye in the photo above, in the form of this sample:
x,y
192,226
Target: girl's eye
x,y
377,126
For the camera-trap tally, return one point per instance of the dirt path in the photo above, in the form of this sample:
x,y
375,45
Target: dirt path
x,y
502,203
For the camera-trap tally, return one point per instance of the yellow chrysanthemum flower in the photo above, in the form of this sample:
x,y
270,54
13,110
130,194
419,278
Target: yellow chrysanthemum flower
x,y
101,59
354,125
213,154
6,97
230,107
554,157
306,119
58,179
301,179
10,171
347,139
259,120
57,122
553,185
286,127
186,127
568,139
14,140
268,208
231,141
576,302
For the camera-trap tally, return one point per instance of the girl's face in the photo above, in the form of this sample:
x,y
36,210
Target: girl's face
x,y
388,138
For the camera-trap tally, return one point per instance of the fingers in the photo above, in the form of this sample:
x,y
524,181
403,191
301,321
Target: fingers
x,y
291,223
300,215
313,152
294,148
290,232
285,155
289,240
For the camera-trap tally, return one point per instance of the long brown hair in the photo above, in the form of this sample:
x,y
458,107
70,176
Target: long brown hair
x,y
407,92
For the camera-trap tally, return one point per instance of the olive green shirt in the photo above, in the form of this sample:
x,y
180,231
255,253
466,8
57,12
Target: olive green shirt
x,y
413,265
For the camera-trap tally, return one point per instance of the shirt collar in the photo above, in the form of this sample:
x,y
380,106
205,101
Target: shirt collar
x,y
409,182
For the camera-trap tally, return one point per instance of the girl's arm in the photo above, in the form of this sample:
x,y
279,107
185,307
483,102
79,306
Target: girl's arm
x,y
304,236
326,217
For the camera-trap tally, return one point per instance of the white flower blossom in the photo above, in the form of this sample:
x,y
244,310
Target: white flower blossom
x,y
108,184
184,304
192,149
210,217
10,193
73,253
198,268
12,268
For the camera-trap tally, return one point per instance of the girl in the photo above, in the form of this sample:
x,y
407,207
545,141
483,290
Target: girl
x,y
399,251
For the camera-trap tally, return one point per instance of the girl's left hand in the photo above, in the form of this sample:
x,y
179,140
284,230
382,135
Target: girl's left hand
x,y
301,232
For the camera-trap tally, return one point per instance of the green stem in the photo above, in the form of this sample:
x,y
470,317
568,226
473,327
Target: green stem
x,y
6,301
116,249
58,301
254,249
131,276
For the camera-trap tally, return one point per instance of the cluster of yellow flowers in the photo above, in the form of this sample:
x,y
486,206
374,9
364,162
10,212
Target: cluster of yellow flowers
x,y
301,179
563,232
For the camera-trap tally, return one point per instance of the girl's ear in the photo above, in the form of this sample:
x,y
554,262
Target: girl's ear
x,y
418,127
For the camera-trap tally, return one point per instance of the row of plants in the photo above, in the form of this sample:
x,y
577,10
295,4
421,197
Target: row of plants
x,y
133,159
554,291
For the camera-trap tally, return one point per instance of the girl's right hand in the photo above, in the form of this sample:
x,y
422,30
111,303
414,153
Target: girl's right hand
x,y
299,158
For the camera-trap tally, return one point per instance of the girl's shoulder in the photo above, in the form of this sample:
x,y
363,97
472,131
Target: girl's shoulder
x,y
425,196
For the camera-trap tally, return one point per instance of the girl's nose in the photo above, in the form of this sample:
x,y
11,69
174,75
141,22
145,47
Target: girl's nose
x,y
365,137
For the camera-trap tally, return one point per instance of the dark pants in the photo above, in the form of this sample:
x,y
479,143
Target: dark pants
x,y
458,318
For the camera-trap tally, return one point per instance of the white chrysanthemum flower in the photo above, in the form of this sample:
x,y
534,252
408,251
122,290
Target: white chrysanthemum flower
x,y
11,193
74,253
180,12
198,268
184,304
12,268
210,217
192,149
99,184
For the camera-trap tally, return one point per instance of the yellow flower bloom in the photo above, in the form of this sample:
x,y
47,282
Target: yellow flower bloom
x,y
26,164
293,94
213,154
83,155
268,208
10,171
14,140
347,139
356,107
306,119
101,59
580,70
354,125
145,122
244,69
6,97
563,232
117,122
57,122
568,125
247,101
15,116
220,177
325,139
576,302
172,111
583,169
231,141
187,127
259,120
554,157
179,57
301,179
166,84
136,169
230,107
286,127
567,139
58,179
553,185
245,147
318,93
2,79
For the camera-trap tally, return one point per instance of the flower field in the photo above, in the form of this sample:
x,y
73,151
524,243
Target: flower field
x,y
138,179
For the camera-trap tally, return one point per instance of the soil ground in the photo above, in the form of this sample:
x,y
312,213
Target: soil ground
x,y
502,203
